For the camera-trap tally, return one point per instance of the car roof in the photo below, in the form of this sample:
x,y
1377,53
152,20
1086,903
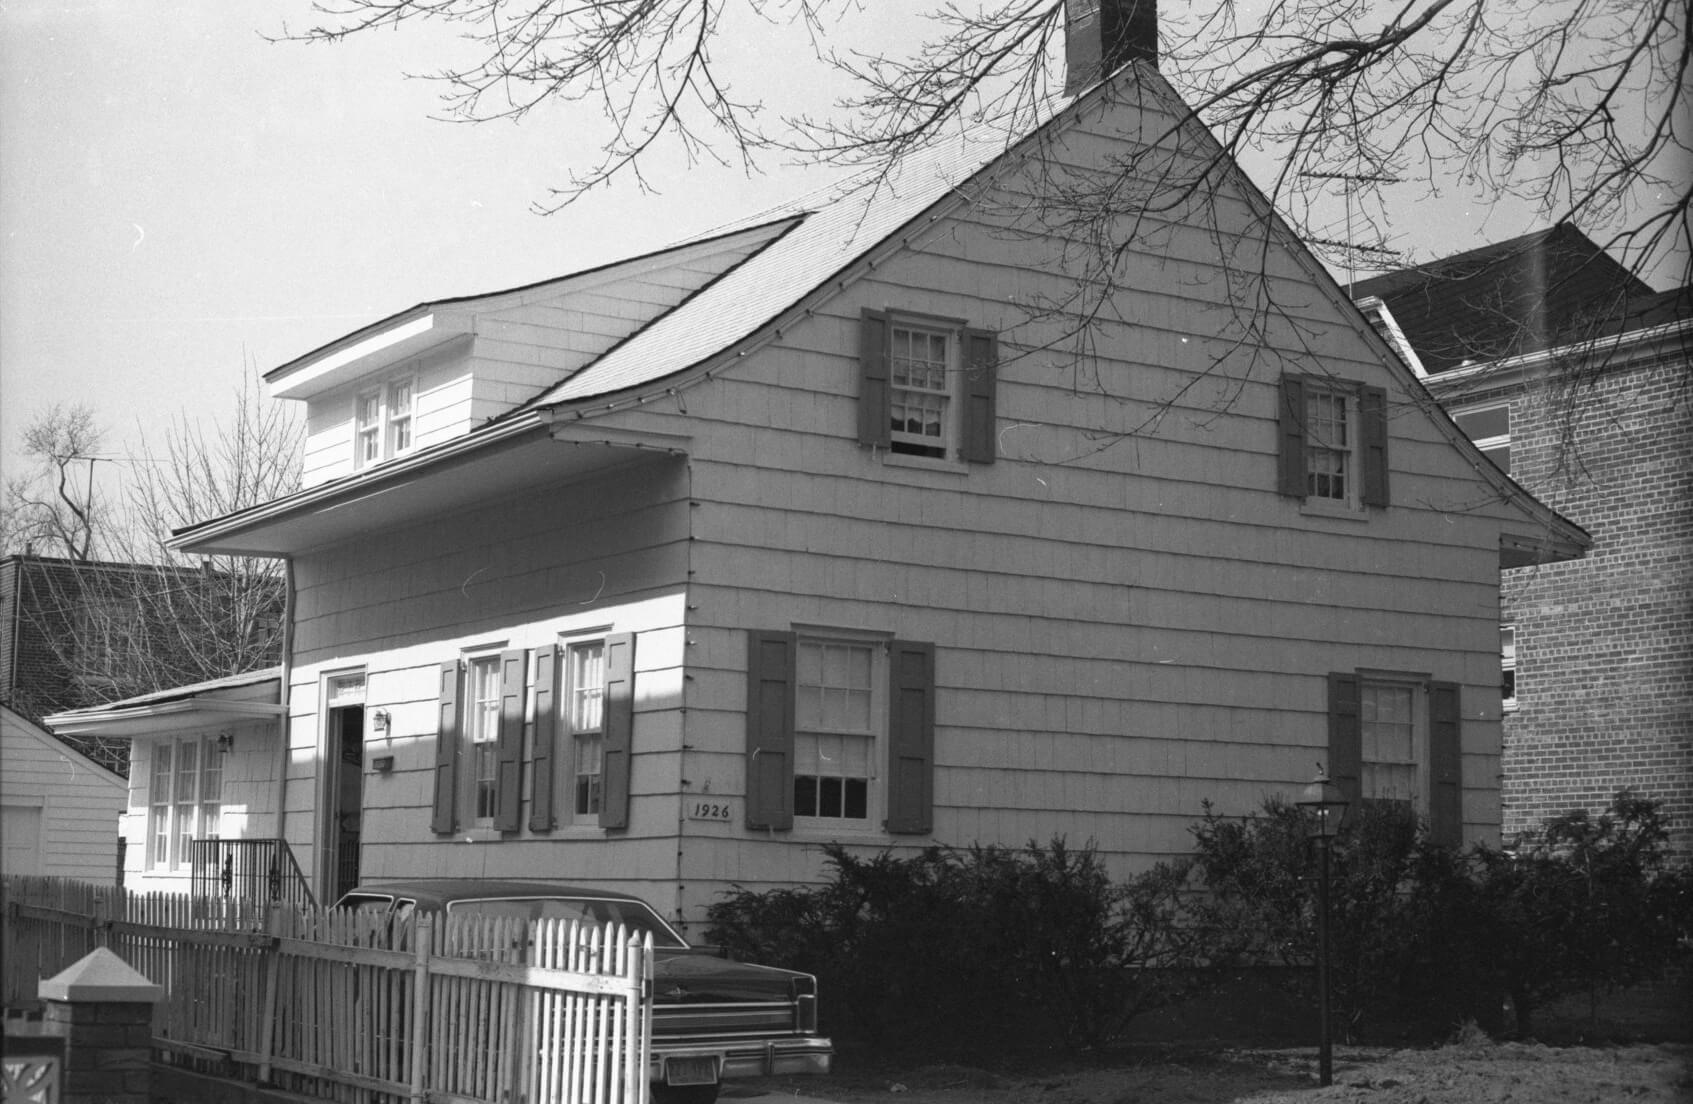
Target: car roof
x,y
436,892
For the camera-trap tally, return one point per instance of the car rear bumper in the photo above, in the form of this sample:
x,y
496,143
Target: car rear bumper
x,y
809,1054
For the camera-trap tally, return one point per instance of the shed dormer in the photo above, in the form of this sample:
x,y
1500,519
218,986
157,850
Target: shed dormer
x,y
443,368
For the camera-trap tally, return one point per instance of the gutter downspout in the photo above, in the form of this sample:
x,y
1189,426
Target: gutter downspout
x,y
282,696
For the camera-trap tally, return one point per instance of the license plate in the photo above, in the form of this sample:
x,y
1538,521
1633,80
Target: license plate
x,y
701,1070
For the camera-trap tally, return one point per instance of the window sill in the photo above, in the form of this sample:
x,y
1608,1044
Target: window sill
x,y
1340,511
836,829
925,463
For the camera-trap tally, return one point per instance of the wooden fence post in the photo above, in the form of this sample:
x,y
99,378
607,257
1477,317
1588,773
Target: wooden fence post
x,y
422,932
267,1011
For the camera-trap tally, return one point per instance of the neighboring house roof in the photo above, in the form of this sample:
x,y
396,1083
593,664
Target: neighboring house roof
x,y
1543,290
21,725
252,696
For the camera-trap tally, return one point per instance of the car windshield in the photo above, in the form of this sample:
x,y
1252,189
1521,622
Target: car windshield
x,y
634,915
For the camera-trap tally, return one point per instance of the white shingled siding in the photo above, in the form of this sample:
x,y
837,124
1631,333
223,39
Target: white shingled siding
x,y
60,809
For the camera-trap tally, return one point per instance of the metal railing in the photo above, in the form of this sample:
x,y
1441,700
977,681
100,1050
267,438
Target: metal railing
x,y
255,870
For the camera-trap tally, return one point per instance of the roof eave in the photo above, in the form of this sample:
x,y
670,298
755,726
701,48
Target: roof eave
x,y
136,720
205,536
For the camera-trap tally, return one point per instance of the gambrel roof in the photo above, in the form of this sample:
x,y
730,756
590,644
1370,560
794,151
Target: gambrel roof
x,y
746,284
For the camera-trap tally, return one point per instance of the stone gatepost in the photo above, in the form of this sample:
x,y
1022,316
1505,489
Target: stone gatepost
x,y
104,1011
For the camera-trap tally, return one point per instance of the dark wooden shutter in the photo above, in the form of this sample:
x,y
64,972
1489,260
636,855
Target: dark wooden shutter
x,y
1346,747
508,742
1445,754
873,397
1373,422
911,737
1290,478
981,369
445,817
770,730
541,756
619,729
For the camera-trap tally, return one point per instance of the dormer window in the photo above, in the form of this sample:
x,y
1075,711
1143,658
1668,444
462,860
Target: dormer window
x,y
382,422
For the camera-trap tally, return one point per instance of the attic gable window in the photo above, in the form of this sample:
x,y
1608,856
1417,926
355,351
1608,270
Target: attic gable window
x,y
927,387
1333,442
382,422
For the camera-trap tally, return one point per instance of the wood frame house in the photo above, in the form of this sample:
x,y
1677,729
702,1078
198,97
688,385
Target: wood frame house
x,y
830,528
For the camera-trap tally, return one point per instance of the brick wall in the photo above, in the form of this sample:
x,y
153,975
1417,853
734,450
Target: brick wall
x,y
37,597
1605,643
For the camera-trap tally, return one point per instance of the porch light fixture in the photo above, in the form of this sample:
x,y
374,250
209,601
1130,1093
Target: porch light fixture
x,y
379,720
1324,806
226,743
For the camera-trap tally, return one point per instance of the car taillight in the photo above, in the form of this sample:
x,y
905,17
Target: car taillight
x,y
805,1004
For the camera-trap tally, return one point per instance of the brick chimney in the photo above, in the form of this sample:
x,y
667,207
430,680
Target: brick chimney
x,y
1100,36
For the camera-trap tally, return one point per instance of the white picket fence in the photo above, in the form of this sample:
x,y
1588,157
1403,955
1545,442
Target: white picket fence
x,y
356,1007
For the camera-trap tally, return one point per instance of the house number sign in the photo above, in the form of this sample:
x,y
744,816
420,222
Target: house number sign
x,y
709,809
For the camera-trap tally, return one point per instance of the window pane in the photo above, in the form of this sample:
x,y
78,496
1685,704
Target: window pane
x,y
1386,715
485,700
158,854
1328,448
482,728
1491,421
187,762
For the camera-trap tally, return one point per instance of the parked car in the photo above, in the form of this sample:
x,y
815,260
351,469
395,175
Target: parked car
x,y
713,1018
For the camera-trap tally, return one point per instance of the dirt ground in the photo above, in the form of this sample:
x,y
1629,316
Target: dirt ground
x,y
1471,1073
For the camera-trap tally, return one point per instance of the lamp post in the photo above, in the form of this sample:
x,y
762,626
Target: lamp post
x,y
1324,805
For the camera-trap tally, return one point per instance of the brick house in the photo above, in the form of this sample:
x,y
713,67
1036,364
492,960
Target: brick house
x,y
821,528
1576,378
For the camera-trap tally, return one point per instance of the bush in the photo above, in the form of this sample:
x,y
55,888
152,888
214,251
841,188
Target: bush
x,y
967,952
1584,905
1426,937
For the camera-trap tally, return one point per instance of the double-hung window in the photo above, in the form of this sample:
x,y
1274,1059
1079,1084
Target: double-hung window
x,y
838,718
1508,666
1333,442
479,744
1393,747
383,421
1396,738
927,387
585,717
184,800
840,731
482,732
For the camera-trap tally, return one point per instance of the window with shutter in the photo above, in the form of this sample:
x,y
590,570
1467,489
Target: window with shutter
x,y
1398,739
479,743
840,731
1333,443
927,387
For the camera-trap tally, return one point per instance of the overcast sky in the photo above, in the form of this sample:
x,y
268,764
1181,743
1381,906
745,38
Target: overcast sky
x,y
181,199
